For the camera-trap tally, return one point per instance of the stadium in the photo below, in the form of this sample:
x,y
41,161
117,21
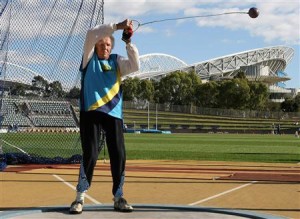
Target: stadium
x,y
190,161
264,64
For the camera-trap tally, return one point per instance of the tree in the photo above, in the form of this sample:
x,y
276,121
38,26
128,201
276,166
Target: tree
x,y
156,93
206,94
272,106
18,90
289,105
297,98
74,93
258,96
297,102
234,94
178,88
39,85
183,92
130,88
168,88
192,82
55,89
241,75
145,90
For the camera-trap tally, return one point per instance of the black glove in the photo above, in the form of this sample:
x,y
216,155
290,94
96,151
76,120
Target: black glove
x,y
127,34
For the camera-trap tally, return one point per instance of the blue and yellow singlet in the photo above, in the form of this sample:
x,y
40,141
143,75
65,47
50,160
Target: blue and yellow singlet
x,y
101,86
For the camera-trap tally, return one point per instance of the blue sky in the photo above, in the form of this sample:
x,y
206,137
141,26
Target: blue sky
x,y
191,40
195,40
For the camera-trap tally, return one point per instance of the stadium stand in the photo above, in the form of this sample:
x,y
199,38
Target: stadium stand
x,y
36,113
46,107
41,114
206,122
11,114
53,121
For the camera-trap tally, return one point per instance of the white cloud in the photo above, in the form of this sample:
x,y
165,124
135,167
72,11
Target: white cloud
x,y
133,8
278,19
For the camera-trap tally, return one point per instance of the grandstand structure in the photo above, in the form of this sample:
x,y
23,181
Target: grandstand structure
x,y
264,64
30,115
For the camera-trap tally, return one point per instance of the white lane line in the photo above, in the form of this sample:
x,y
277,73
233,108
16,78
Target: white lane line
x,y
222,193
74,188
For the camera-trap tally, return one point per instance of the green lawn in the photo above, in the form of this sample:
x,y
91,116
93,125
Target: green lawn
x,y
217,147
222,147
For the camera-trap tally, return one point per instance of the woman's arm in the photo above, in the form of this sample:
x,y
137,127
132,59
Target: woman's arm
x,y
130,64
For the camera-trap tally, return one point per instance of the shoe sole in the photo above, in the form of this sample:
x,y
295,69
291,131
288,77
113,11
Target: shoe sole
x,y
75,212
124,210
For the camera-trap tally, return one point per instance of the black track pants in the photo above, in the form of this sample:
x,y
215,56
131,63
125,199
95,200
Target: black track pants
x,y
90,126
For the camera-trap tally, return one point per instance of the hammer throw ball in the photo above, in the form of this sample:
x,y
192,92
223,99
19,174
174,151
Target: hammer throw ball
x,y
253,12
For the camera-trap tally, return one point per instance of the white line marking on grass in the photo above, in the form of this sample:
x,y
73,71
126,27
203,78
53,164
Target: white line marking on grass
x,y
14,146
74,188
222,193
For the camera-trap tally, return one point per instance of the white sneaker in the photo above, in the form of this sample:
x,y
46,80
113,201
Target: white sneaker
x,y
76,207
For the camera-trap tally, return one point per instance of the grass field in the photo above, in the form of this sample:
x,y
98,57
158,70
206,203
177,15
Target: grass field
x,y
221,147
217,147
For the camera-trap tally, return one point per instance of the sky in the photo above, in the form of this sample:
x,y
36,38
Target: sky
x,y
200,39
38,34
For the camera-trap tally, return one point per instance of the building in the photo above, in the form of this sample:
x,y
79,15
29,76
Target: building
x,y
264,64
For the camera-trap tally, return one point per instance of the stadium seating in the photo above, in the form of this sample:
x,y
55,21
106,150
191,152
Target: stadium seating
x,y
204,122
46,107
36,113
12,115
64,114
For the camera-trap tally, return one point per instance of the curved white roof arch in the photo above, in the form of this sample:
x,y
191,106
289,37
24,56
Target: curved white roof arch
x,y
262,62
17,73
156,64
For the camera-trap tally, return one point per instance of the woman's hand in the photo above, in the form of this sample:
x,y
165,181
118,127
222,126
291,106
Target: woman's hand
x,y
125,25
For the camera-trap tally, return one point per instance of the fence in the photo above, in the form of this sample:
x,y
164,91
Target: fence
x,y
279,115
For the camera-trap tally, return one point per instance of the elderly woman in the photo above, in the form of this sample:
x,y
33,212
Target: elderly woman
x,y
101,108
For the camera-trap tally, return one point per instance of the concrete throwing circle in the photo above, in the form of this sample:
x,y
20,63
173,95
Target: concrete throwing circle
x,y
140,211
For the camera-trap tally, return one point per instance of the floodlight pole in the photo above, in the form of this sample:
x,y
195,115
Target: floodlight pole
x,y
148,116
156,116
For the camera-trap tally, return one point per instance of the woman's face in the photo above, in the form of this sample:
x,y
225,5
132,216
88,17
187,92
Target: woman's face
x,y
103,48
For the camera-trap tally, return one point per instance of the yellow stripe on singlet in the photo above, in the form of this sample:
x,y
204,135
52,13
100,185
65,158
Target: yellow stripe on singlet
x,y
109,96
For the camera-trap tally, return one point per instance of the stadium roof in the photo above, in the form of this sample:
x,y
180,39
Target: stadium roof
x,y
157,64
19,74
263,64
